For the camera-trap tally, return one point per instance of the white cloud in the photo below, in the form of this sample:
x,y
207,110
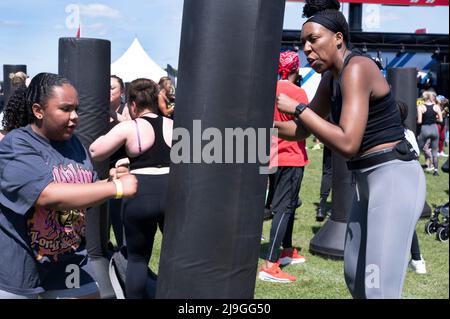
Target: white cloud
x,y
94,10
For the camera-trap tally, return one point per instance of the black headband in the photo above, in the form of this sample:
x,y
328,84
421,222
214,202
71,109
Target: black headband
x,y
327,22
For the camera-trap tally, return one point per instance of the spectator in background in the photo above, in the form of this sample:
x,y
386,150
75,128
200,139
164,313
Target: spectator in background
x,y
417,263
119,112
17,79
325,184
166,97
428,115
442,127
290,159
118,109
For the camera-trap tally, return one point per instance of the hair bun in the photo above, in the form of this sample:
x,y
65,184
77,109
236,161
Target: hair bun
x,y
313,6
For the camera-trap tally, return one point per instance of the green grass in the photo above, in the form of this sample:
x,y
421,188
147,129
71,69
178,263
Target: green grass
x,y
321,278
324,278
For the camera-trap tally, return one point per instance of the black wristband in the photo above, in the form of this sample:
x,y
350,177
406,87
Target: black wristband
x,y
299,109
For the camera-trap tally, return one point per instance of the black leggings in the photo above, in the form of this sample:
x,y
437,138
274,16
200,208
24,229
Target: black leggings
x,y
141,215
286,182
325,184
415,250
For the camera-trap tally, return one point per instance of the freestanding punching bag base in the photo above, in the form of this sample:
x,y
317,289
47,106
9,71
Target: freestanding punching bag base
x,y
329,240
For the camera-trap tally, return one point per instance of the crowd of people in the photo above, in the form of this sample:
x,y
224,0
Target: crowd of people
x,y
48,179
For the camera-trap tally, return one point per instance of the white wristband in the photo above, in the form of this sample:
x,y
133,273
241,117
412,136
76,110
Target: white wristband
x,y
119,188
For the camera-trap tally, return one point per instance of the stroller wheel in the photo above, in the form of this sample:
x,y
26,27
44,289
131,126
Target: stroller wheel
x,y
430,227
442,233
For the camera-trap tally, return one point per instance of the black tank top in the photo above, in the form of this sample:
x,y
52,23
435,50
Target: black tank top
x,y
383,124
159,154
429,117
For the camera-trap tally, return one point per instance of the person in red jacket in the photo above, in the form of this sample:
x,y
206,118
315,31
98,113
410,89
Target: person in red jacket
x,y
289,158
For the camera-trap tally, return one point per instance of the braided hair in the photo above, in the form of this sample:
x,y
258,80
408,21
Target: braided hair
x,y
18,111
328,12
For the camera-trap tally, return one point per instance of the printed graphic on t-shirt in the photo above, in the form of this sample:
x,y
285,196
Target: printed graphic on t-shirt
x,y
54,233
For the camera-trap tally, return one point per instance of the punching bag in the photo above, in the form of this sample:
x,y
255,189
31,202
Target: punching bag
x,y
403,83
227,80
86,63
330,239
7,70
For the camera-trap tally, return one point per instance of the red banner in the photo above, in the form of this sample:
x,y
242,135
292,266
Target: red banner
x,y
395,2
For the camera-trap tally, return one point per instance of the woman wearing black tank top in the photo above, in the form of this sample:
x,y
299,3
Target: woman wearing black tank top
x,y
147,141
390,184
428,115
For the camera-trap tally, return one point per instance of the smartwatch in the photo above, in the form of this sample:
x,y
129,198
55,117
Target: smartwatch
x,y
299,109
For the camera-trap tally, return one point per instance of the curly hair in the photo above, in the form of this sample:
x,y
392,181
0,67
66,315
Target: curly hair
x,y
18,111
311,7
16,114
330,10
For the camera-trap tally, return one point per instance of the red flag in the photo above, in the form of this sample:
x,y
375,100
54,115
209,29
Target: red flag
x,y
79,31
423,30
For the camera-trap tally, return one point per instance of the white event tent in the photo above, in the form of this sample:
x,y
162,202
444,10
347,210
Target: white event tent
x,y
135,63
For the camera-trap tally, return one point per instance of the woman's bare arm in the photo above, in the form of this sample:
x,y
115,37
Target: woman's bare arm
x,y
320,104
62,196
106,145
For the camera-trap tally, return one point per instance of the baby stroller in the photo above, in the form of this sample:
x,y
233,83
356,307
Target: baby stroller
x,y
439,225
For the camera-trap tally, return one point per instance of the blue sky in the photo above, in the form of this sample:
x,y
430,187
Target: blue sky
x,y
30,29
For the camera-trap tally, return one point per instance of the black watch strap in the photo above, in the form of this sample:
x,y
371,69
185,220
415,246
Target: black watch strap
x,y
300,108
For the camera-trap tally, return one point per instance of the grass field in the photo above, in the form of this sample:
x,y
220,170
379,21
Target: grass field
x,y
321,278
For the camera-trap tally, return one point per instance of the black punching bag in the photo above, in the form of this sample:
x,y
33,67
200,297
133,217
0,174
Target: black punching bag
x,y
7,70
86,63
403,83
227,79
329,241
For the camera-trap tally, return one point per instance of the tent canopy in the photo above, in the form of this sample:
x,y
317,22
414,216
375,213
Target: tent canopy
x,y
135,63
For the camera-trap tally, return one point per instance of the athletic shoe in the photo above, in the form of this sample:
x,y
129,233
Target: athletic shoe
x,y
275,274
291,258
418,266
442,154
435,173
429,169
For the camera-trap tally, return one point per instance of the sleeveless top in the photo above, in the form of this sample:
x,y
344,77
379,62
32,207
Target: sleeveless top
x,y
159,154
429,117
383,123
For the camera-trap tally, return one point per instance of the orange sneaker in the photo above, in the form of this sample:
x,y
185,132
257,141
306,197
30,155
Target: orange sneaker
x,y
275,274
291,258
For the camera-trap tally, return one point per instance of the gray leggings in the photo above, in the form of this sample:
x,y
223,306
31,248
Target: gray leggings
x,y
387,204
429,131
